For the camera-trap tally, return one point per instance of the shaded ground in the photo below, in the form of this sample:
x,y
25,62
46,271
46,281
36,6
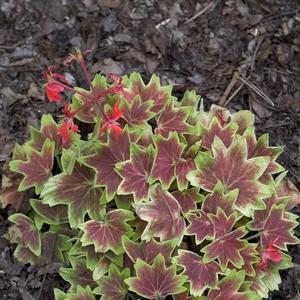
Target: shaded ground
x,y
192,44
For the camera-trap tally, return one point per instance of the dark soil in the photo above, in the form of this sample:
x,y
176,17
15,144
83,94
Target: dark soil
x,y
192,44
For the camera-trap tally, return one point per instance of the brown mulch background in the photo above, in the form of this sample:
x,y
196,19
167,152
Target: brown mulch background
x,y
192,44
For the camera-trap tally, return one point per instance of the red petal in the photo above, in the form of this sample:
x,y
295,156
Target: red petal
x,y
67,110
117,130
274,255
63,131
52,91
116,113
104,127
262,265
73,127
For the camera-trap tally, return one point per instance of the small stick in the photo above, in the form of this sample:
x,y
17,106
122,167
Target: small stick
x,y
234,94
256,89
259,43
201,12
228,89
163,23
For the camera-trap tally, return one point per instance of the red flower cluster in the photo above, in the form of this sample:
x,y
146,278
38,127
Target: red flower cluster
x,y
110,121
68,125
57,83
269,252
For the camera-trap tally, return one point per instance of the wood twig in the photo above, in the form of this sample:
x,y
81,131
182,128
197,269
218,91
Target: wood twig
x,y
256,90
234,94
228,89
201,12
259,43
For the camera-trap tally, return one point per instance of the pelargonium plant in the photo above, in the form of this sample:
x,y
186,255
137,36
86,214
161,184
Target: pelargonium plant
x,y
137,195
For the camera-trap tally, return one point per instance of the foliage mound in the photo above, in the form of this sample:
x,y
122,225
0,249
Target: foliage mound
x,y
138,195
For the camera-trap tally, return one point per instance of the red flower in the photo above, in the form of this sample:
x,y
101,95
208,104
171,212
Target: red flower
x,y
53,90
110,121
54,87
68,125
65,129
67,111
270,252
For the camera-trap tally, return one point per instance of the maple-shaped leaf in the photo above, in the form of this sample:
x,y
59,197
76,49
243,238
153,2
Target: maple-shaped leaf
x,y
112,286
261,147
188,199
270,276
152,91
218,198
191,99
229,286
182,168
260,216
49,129
162,214
169,164
78,274
222,114
256,285
155,281
9,193
107,235
147,251
135,172
52,250
200,275
269,279
37,168
173,119
81,293
227,245
276,226
76,190
54,215
105,159
250,257
200,226
244,119
28,233
285,188
98,263
137,112
89,113
224,133
232,168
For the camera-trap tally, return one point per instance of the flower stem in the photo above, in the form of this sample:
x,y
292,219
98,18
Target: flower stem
x,y
86,74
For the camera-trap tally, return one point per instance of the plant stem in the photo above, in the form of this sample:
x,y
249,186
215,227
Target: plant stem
x,y
258,234
86,74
